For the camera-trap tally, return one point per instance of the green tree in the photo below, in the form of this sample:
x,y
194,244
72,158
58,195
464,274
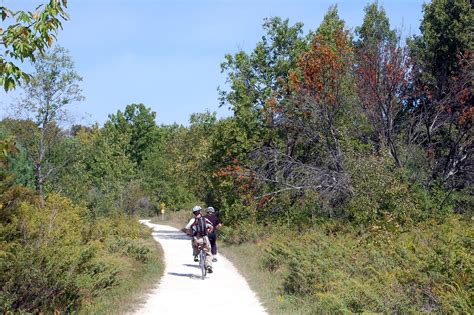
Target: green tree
x,y
441,96
53,86
27,34
166,172
258,81
100,172
330,25
259,88
137,123
375,28
180,169
20,163
447,32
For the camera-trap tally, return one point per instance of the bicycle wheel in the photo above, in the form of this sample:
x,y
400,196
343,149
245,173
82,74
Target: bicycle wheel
x,y
202,263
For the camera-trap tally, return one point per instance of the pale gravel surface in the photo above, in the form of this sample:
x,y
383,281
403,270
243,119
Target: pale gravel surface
x,y
181,289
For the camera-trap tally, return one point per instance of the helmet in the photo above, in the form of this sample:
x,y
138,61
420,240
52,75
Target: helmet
x,y
196,209
210,210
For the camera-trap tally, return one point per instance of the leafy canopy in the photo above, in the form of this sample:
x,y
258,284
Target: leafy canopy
x,y
27,32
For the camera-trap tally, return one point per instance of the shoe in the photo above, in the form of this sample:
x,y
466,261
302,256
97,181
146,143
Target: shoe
x,y
214,259
209,270
196,258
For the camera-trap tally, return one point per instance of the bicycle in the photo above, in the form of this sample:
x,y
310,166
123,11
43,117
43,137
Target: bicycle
x,y
202,261
201,255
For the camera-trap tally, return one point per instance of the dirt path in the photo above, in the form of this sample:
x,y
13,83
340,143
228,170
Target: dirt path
x,y
181,289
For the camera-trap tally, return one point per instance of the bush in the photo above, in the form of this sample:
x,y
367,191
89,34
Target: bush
x,y
50,267
130,248
237,213
384,196
57,257
244,232
428,268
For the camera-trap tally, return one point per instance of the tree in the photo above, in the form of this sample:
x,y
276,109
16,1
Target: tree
x,y
382,70
447,31
11,193
311,161
164,173
331,24
28,34
441,89
100,173
179,168
53,86
320,90
258,87
137,123
375,28
258,81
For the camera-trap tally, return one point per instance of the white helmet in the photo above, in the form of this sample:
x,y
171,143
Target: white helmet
x,y
210,210
196,209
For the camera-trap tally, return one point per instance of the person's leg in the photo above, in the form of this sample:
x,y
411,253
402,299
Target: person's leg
x,y
195,248
212,240
207,250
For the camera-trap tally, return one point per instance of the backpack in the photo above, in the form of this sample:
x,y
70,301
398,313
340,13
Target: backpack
x,y
201,229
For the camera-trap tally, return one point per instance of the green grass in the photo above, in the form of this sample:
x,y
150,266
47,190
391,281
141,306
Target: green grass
x,y
135,280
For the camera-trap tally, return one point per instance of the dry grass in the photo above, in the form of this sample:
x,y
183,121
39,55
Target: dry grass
x,y
177,219
246,258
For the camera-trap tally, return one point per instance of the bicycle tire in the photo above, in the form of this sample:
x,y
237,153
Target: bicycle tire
x,y
202,264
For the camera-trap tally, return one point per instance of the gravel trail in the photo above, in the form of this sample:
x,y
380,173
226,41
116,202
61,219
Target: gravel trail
x,y
181,288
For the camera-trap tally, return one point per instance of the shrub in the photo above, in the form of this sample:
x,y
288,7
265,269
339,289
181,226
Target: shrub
x,y
130,248
428,268
50,267
57,257
244,232
384,196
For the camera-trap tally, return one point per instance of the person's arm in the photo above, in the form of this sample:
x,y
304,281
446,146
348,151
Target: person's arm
x,y
187,229
209,226
219,224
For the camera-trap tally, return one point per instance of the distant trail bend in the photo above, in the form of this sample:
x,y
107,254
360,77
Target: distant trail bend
x,y
181,288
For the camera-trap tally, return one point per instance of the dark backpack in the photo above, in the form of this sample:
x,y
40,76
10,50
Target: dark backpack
x,y
201,229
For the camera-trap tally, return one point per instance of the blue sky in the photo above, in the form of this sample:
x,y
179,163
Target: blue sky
x,y
167,54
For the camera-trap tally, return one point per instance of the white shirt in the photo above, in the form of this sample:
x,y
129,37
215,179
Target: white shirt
x,y
188,226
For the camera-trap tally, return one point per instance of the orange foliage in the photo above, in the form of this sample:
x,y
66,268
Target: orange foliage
x,y
242,178
322,69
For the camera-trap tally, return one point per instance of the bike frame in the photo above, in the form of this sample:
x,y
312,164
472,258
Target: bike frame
x,y
202,261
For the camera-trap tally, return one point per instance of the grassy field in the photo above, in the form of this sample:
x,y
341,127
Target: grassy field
x,y
136,280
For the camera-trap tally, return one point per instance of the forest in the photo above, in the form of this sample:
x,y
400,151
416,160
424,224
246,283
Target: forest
x,y
348,159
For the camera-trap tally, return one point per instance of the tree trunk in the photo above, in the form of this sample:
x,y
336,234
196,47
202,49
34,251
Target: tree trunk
x,y
40,176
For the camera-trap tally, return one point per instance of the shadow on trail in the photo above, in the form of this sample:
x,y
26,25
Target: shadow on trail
x,y
193,266
186,275
174,235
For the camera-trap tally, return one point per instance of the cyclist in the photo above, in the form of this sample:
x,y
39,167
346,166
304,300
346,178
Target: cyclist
x,y
200,237
216,223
